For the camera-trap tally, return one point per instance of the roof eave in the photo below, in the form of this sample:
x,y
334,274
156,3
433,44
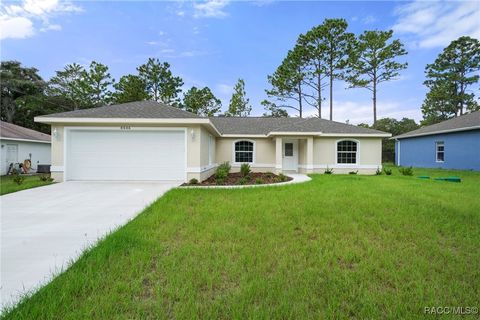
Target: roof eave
x,y
50,120
406,136
366,135
25,140
293,133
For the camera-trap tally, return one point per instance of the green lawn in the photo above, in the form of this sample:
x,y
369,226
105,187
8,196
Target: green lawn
x,y
7,185
338,247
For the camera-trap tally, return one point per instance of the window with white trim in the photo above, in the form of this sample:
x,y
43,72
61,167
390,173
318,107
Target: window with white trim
x,y
243,151
440,151
347,152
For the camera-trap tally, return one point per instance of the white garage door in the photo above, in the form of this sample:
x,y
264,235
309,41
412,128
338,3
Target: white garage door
x,y
125,155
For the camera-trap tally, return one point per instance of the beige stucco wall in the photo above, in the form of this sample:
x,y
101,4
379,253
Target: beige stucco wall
x,y
200,167
197,150
264,153
370,155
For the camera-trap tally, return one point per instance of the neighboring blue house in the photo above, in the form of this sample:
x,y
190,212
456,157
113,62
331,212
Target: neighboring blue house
x,y
451,144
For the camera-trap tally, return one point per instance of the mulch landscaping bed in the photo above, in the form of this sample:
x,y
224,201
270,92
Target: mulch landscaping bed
x,y
233,179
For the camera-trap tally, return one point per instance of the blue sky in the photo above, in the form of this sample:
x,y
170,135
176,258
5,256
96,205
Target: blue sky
x,y
213,43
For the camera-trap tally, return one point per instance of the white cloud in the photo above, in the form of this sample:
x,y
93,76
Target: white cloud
x,y
262,3
369,19
224,89
15,27
180,13
436,24
51,27
19,21
210,9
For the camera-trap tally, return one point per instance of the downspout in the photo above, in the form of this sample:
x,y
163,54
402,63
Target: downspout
x,y
398,156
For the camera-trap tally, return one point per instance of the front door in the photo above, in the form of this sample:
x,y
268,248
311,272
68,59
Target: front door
x,y
290,155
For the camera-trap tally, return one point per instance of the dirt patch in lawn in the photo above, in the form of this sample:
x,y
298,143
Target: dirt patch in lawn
x,y
235,179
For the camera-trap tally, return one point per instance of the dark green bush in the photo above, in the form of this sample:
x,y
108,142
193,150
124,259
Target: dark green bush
x,y
388,172
193,181
353,172
282,177
378,172
225,167
243,180
18,179
406,171
222,172
245,169
258,181
45,178
328,171
268,174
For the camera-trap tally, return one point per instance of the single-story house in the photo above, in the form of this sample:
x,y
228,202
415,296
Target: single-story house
x,y
152,141
451,144
19,144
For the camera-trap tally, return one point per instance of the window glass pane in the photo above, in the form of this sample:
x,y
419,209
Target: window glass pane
x,y
347,152
440,156
243,151
288,149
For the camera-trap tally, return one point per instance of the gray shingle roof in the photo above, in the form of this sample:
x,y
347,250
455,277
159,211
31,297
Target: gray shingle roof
x,y
252,125
225,125
12,131
465,122
139,109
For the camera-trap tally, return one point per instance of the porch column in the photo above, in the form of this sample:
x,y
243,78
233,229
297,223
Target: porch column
x,y
278,155
309,154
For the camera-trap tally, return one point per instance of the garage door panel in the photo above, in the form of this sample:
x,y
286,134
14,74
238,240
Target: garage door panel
x,y
125,155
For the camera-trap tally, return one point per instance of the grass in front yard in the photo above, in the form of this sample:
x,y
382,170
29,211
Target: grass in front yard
x,y
7,185
340,246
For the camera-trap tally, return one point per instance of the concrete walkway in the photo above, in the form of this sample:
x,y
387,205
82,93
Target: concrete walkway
x,y
44,228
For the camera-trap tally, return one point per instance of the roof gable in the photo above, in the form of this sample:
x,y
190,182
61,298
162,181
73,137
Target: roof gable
x,y
265,126
465,122
134,110
158,112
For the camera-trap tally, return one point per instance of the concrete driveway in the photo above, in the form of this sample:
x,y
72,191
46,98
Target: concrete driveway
x,y
42,229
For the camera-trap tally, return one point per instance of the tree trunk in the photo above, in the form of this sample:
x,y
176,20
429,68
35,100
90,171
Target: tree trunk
x,y
300,100
374,99
319,88
331,95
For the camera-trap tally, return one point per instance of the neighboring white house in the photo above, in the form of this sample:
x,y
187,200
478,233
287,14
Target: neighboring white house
x,y
19,143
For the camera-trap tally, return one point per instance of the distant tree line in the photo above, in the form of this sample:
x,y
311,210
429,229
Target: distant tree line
x,y
323,55
327,53
25,95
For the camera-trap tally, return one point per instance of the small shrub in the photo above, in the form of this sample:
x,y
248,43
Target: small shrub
x,y
328,171
222,172
245,169
45,178
259,181
193,181
353,172
225,167
406,171
378,172
269,174
282,177
18,179
243,181
388,172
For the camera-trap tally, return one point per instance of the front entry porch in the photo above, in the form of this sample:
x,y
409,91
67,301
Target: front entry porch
x,y
294,154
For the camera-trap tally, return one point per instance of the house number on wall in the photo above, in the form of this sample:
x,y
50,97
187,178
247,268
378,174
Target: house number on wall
x,y
125,128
